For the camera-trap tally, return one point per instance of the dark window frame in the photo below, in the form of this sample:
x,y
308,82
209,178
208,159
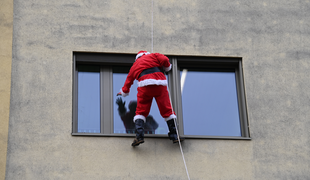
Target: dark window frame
x,y
107,60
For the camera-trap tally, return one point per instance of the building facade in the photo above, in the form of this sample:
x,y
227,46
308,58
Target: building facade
x,y
45,43
6,29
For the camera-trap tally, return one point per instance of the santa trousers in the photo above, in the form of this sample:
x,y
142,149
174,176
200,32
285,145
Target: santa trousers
x,y
144,101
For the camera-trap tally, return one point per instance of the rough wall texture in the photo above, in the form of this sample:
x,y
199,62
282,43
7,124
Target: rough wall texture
x,y
6,33
271,37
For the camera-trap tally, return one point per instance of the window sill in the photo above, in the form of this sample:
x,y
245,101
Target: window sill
x,y
162,136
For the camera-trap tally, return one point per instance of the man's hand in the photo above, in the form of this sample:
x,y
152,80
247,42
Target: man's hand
x,y
122,94
120,102
166,69
121,107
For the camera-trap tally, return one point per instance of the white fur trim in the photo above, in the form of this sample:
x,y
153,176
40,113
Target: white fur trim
x,y
141,54
172,116
147,82
167,68
139,117
124,94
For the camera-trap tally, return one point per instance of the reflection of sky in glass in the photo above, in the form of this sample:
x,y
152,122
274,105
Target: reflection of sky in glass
x,y
210,105
118,82
88,102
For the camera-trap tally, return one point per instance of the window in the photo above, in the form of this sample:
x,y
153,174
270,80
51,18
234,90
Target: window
x,y
207,94
88,99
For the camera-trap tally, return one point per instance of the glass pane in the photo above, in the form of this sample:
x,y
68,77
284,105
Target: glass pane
x,y
210,104
123,117
88,99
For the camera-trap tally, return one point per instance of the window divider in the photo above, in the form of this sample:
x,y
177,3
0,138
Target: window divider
x,y
175,92
242,101
106,110
75,96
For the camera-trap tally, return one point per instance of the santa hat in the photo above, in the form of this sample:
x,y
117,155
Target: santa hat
x,y
141,53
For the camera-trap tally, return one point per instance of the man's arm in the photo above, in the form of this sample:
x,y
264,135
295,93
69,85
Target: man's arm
x,y
164,61
129,81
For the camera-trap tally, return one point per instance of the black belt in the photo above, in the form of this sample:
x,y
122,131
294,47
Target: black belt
x,y
149,71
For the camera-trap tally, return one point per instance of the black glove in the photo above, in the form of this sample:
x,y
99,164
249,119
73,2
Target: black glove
x,y
121,106
120,102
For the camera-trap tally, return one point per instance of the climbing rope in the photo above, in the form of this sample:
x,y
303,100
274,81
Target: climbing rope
x,y
152,31
176,127
175,123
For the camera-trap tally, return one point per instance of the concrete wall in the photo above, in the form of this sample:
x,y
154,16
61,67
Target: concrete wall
x,y
271,37
6,33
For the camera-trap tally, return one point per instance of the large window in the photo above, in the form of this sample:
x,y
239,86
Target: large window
x,y
207,94
209,103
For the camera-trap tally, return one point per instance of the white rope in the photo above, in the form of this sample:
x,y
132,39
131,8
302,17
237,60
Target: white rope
x,y
152,25
176,127
175,123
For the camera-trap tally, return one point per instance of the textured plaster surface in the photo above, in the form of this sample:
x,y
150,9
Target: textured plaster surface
x,y
271,37
6,33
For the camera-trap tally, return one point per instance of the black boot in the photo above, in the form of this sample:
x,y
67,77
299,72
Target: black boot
x,y
173,132
139,124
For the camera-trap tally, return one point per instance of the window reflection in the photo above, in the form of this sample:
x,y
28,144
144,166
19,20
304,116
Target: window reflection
x,y
88,99
124,108
209,103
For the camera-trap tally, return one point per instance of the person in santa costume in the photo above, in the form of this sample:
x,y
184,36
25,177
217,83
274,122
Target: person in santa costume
x,y
152,83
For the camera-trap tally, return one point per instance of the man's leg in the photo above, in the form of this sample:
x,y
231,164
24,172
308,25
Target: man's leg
x,y
165,108
139,126
173,136
143,108
144,101
163,102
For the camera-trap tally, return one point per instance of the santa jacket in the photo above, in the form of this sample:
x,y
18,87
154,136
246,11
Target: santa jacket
x,y
146,62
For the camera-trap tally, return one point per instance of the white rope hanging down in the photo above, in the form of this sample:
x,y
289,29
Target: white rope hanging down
x,y
175,123
152,25
176,127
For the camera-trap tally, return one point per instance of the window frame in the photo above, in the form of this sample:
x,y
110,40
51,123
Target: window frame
x,y
107,60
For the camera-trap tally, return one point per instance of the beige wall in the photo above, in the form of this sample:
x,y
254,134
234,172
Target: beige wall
x,y
272,37
6,32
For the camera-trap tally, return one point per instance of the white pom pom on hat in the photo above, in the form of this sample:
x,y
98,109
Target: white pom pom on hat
x,y
141,53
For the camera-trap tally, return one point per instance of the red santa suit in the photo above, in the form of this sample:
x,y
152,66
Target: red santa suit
x,y
151,85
